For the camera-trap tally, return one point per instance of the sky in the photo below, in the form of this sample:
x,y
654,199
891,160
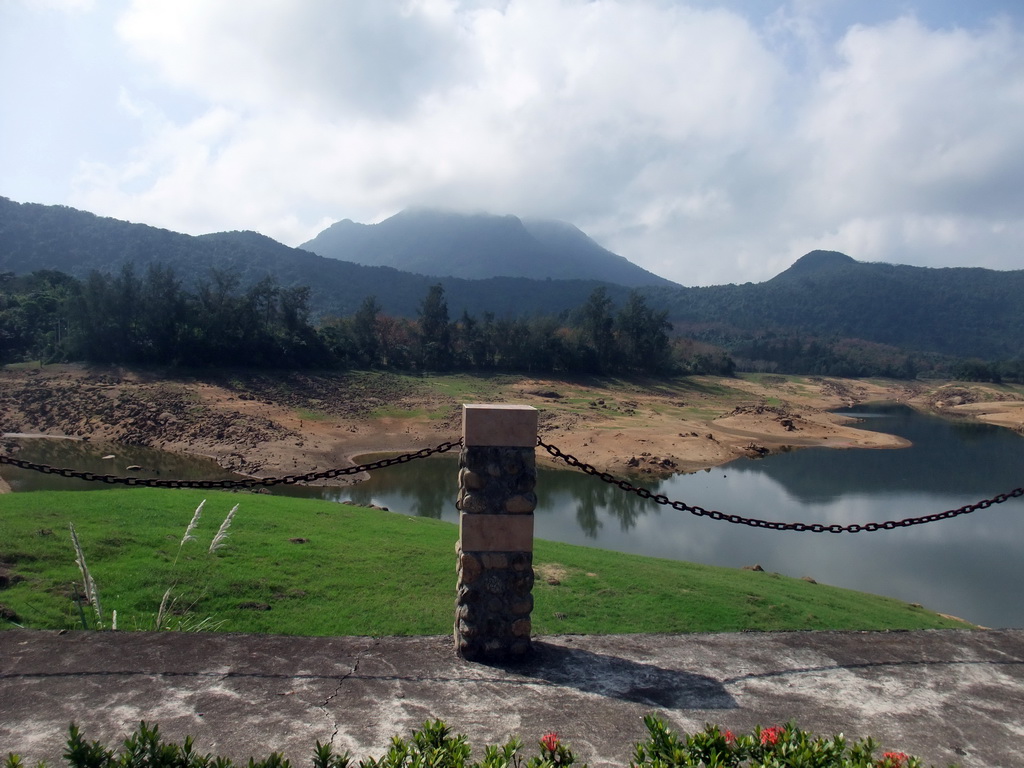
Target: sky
x,y
709,142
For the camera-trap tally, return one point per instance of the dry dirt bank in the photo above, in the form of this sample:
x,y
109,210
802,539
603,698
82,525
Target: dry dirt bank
x,y
279,423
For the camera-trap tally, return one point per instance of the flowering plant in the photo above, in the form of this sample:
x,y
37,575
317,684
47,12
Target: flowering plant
x,y
776,746
435,745
894,760
552,753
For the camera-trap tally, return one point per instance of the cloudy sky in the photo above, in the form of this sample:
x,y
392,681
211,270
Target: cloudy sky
x,y
710,142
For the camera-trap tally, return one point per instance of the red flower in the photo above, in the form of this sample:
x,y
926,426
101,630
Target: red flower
x,y
895,758
730,738
549,741
771,735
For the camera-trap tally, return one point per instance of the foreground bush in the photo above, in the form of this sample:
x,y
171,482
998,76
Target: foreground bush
x,y
434,746
772,747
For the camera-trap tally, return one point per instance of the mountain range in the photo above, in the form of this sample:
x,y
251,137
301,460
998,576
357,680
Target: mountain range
x,y
963,312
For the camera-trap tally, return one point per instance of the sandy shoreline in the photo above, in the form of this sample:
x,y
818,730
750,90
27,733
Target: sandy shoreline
x,y
277,424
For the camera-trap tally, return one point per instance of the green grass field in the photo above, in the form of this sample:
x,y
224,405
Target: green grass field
x,y
292,566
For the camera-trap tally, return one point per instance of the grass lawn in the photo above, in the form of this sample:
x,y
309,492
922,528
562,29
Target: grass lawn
x,y
304,567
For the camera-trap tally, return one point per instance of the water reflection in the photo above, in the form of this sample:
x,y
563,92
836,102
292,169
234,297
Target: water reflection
x,y
102,459
965,459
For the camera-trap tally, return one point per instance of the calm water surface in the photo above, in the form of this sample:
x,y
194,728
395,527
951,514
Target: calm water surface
x,y
971,566
102,459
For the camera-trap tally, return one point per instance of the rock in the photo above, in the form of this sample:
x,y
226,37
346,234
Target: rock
x,y
9,615
548,393
8,579
755,567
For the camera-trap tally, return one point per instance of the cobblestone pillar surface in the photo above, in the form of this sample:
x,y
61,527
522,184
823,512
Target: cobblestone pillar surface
x,y
497,475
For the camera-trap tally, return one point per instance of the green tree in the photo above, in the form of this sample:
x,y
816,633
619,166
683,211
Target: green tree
x,y
435,331
164,315
365,334
597,329
643,336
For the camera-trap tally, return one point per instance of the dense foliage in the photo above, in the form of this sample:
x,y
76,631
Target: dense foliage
x,y
130,319
153,319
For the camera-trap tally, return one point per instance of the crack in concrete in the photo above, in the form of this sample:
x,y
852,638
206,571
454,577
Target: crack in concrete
x,y
341,682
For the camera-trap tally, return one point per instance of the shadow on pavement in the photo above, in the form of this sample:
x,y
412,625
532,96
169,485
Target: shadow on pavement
x,y
622,679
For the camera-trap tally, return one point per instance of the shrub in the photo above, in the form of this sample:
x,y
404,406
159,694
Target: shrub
x,y
776,746
435,746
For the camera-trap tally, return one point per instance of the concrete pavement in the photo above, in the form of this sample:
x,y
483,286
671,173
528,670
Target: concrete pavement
x,y
945,695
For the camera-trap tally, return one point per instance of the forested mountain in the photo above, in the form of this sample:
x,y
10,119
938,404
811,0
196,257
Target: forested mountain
x,y
478,246
34,237
963,312
822,315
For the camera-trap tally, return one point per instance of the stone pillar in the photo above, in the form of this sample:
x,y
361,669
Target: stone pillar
x,y
497,475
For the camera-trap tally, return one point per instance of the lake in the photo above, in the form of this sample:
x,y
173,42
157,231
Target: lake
x,y
970,566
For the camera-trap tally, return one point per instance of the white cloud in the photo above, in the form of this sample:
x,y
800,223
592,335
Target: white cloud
x,y
946,240
914,141
375,57
706,145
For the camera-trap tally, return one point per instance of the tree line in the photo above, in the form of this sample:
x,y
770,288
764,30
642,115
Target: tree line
x,y
772,352
128,318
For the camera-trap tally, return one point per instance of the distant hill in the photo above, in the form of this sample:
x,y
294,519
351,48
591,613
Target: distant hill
x,y
959,311
818,262
478,246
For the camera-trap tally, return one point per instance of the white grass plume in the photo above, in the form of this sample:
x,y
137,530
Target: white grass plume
x,y
193,524
222,533
163,607
92,595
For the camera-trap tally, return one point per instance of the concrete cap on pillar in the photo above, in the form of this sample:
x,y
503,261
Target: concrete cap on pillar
x,y
512,426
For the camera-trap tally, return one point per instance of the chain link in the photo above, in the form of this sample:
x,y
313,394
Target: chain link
x,y
248,482
754,522
572,461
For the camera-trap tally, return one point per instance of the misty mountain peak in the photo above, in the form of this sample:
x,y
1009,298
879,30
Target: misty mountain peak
x,y
439,243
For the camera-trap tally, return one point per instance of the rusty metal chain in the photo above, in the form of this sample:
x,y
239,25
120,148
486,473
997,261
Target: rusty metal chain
x,y
248,482
659,498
